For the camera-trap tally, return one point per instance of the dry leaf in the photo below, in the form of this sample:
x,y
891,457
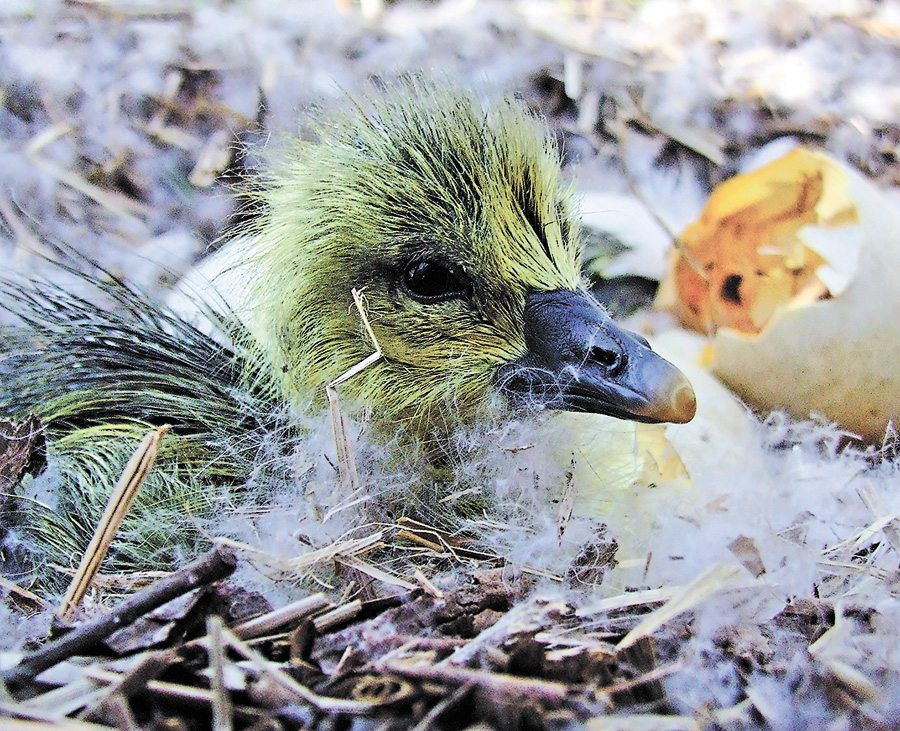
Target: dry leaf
x,y
22,452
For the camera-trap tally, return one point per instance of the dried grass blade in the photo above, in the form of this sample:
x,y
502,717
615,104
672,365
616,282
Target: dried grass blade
x,y
340,429
889,524
376,573
221,701
626,601
120,501
426,584
115,202
337,616
442,542
334,550
708,583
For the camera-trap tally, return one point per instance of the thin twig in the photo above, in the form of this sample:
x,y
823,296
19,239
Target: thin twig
x,y
495,684
259,626
129,684
212,566
22,595
442,707
175,693
300,692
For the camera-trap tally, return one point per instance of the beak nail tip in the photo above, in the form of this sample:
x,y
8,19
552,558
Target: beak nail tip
x,y
684,404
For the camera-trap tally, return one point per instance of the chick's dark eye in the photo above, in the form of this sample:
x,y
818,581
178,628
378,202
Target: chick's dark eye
x,y
427,282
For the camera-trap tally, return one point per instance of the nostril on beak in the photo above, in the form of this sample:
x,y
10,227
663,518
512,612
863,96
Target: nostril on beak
x,y
612,361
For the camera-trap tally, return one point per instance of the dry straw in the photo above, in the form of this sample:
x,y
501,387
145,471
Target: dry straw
x,y
346,460
120,501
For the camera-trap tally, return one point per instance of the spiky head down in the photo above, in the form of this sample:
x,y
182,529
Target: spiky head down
x,y
445,214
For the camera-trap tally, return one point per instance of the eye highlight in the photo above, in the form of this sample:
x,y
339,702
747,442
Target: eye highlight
x,y
429,282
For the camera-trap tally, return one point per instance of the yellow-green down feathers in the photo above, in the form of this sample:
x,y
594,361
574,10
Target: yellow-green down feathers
x,y
427,174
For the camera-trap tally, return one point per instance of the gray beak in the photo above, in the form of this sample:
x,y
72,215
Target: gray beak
x,y
578,359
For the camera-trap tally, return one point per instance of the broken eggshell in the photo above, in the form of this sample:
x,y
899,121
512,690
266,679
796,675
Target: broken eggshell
x,y
792,270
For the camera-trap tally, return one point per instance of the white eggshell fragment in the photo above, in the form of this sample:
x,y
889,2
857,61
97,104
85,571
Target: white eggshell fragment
x,y
793,270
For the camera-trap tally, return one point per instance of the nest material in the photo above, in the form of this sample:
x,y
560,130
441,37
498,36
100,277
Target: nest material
x,y
473,654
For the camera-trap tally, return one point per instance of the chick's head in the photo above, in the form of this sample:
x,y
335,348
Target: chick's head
x,y
450,218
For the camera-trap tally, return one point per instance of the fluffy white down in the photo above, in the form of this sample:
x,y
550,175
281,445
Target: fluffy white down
x,y
777,500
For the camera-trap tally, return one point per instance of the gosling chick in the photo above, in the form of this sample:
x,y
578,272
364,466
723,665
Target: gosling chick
x,y
454,222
